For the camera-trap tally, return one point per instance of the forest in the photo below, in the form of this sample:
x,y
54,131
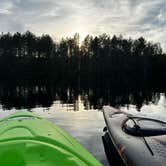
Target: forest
x,y
106,64
98,61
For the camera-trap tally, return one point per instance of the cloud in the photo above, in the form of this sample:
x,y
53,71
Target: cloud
x,y
62,18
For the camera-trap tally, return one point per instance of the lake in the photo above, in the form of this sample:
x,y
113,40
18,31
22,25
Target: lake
x,y
80,114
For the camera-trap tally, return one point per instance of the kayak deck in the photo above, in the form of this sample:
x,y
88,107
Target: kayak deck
x,y
136,149
27,139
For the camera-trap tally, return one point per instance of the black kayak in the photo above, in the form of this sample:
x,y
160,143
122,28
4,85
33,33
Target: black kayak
x,y
139,141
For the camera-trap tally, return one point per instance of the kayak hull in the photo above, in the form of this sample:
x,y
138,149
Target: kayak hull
x,y
132,149
110,151
27,139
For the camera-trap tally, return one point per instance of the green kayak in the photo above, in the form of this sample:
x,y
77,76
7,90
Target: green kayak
x,y
29,140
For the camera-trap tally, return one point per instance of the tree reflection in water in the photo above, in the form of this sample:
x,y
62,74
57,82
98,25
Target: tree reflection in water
x,y
93,98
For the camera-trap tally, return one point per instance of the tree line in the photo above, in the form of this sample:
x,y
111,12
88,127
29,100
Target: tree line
x,y
102,61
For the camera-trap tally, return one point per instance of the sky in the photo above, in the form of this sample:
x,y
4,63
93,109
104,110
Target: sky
x,y
61,18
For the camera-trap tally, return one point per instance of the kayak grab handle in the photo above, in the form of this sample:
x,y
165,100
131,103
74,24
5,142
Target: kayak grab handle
x,y
105,129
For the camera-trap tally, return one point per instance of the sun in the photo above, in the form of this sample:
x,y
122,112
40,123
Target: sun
x,y
82,33
82,36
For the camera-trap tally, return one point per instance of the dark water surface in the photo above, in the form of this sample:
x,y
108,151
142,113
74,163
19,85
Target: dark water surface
x,y
79,111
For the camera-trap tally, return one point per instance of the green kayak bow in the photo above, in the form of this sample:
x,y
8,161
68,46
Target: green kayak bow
x,y
29,140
